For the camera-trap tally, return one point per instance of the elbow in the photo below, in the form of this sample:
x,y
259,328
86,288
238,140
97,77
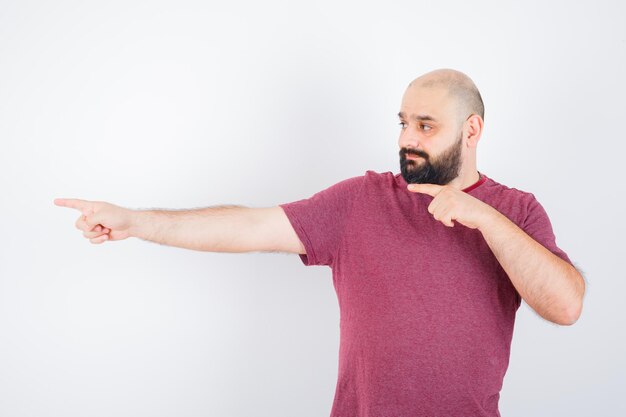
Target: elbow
x,y
572,315
574,308
577,306
566,316
566,308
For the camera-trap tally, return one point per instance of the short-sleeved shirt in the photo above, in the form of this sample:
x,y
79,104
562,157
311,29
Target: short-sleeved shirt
x,y
426,310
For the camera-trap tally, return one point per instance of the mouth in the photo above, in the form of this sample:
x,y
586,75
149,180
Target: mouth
x,y
411,156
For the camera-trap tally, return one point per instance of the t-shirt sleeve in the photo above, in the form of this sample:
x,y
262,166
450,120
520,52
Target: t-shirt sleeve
x,y
319,221
537,225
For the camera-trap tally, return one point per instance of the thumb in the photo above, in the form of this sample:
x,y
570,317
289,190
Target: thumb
x,y
91,218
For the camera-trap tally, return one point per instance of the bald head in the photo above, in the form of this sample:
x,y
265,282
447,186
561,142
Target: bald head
x,y
459,87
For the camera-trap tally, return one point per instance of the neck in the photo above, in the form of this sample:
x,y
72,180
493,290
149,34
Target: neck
x,y
465,180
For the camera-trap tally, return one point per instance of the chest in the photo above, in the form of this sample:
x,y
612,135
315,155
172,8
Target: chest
x,y
396,259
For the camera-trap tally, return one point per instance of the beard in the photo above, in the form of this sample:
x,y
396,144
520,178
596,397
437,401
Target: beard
x,y
440,170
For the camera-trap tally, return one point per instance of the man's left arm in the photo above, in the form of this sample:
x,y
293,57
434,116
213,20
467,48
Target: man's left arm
x,y
548,284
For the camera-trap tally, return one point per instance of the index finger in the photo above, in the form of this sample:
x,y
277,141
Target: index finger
x,y
430,189
74,203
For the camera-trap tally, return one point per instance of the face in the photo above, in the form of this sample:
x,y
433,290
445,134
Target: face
x,y
418,167
431,140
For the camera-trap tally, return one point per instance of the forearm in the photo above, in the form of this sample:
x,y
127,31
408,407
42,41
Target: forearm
x,y
550,285
214,229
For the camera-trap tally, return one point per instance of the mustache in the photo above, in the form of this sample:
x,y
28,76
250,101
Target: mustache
x,y
414,152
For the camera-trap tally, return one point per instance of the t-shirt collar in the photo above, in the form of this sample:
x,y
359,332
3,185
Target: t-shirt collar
x,y
482,178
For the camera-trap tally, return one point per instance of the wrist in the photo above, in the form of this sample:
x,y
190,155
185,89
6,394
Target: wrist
x,y
490,217
139,224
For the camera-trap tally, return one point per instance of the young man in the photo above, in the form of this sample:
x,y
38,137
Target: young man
x,y
430,265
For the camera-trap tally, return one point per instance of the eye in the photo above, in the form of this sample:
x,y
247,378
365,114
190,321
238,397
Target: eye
x,y
402,124
425,128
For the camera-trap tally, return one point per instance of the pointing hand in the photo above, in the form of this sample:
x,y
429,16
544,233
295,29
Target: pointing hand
x,y
450,204
100,221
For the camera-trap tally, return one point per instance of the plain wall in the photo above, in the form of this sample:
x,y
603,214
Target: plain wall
x,y
153,104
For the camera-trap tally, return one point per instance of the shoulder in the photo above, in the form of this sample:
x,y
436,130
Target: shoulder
x,y
493,188
385,179
513,202
370,180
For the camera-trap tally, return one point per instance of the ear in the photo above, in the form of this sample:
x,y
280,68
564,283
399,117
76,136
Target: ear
x,y
473,129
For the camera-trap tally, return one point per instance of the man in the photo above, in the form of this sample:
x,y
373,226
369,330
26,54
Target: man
x,y
430,265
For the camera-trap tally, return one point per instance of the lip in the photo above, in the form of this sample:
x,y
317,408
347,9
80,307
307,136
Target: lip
x,y
412,156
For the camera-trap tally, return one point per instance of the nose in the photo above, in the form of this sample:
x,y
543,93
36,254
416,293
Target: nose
x,y
409,140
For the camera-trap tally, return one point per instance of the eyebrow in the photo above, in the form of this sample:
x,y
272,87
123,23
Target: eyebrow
x,y
419,117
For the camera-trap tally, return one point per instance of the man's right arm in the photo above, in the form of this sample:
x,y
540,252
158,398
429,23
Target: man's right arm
x,y
226,228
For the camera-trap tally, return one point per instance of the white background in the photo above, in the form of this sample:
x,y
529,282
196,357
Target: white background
x,y
191,104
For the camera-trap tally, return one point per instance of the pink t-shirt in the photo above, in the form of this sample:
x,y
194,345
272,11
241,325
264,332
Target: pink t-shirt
x,y
426,310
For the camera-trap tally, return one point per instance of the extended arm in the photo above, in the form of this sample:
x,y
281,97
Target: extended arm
x,y
226,228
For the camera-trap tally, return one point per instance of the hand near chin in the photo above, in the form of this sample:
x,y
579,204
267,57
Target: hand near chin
x,y
451,204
